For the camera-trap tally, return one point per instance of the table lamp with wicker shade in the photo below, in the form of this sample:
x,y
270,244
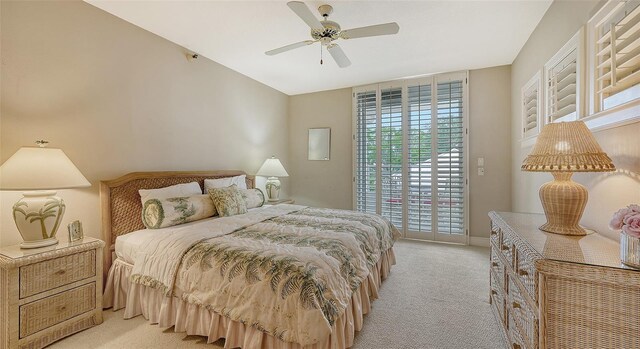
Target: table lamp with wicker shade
x,y
563,148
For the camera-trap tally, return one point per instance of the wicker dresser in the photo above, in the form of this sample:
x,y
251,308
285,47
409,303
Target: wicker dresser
x,y
557,291
49,293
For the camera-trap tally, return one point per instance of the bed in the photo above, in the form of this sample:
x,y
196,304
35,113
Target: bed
x,y
281,276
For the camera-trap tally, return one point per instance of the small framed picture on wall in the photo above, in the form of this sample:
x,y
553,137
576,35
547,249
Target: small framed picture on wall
x,y
75,231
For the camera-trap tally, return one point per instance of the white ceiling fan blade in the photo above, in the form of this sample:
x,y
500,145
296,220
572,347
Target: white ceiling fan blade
x,y
305,14
289,47
372,30
339,56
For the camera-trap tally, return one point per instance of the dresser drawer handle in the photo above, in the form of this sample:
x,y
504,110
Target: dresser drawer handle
x,y
522,272
494,264
62,308
493,232
516,305
61,272
494,292
516,346
504,247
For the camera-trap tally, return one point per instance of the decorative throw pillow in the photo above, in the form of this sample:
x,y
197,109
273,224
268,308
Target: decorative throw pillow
x,y
174,191
240,181
162,213
228,201
253,197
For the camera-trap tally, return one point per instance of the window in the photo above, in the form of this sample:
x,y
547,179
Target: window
x,y
531,107
615,49
409,143
562,78
366,154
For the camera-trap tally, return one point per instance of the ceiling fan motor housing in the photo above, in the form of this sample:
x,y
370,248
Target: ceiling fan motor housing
x,y
331,30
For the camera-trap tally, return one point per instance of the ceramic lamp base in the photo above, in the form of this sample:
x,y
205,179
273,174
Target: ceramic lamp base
x,y
563,201
39,243
273,188
37,216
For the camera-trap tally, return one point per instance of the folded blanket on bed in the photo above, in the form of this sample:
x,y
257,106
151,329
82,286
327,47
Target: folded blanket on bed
x,y
288,270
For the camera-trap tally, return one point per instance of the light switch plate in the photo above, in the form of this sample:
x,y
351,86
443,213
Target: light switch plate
x,y
480,162
480,171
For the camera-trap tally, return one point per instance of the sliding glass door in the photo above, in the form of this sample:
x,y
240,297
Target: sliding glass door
x,y
410,151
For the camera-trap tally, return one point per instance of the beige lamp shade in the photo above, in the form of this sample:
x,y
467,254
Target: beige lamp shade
x,y
567,147
33,168
563,148
272,168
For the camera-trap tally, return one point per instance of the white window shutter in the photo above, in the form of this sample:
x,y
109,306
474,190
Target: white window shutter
x,y
531,107
617,55
366,144
562,79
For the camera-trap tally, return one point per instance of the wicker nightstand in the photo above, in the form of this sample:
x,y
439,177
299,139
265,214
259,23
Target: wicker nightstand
x,y
49,293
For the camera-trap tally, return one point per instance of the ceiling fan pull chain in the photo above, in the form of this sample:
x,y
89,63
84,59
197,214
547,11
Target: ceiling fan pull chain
x,y
320,54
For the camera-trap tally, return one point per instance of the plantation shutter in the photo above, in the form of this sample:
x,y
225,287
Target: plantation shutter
x,y
450,165
366,145
391,154
562,87
617,72
409,146
420,152
530,104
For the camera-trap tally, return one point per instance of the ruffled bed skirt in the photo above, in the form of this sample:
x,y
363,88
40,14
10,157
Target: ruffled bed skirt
x,y
196,320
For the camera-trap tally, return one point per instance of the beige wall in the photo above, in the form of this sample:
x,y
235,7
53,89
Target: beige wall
x,y
607,192
329,184
321,183
489,137
117,99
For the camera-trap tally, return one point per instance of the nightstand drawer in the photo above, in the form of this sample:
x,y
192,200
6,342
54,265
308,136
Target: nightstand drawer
x,y
46,312
52,273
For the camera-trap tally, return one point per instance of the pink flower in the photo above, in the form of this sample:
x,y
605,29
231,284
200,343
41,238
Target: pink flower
x,y
634,208
631,224
617,220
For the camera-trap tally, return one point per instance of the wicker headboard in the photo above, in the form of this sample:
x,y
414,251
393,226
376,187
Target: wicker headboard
x,y
121,206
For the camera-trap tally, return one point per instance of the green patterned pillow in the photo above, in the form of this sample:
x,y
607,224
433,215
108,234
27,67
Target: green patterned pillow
x,y
253,197
228,201
162,213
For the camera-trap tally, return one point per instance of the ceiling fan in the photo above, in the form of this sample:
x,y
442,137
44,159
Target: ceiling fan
x,y
326,32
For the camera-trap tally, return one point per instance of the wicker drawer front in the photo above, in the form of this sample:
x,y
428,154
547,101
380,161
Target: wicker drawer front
x,y
46,312
526,271
507,248
517,342
52,273
497,296
495,234
497,267
522,316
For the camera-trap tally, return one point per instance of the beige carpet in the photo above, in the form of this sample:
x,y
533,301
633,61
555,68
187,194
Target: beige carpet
x,y
435,297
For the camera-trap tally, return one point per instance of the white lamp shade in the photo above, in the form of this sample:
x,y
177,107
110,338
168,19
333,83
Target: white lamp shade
x,y
272,168
33,168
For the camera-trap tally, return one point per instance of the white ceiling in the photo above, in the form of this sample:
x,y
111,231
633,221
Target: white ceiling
x,y
435,36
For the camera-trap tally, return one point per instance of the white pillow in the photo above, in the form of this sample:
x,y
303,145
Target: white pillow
x,y
174,191
240,181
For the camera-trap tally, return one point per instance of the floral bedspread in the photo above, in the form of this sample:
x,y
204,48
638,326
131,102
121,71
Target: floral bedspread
x,y
291,275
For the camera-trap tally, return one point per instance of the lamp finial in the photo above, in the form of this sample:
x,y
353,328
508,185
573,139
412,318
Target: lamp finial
x,y
42,143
